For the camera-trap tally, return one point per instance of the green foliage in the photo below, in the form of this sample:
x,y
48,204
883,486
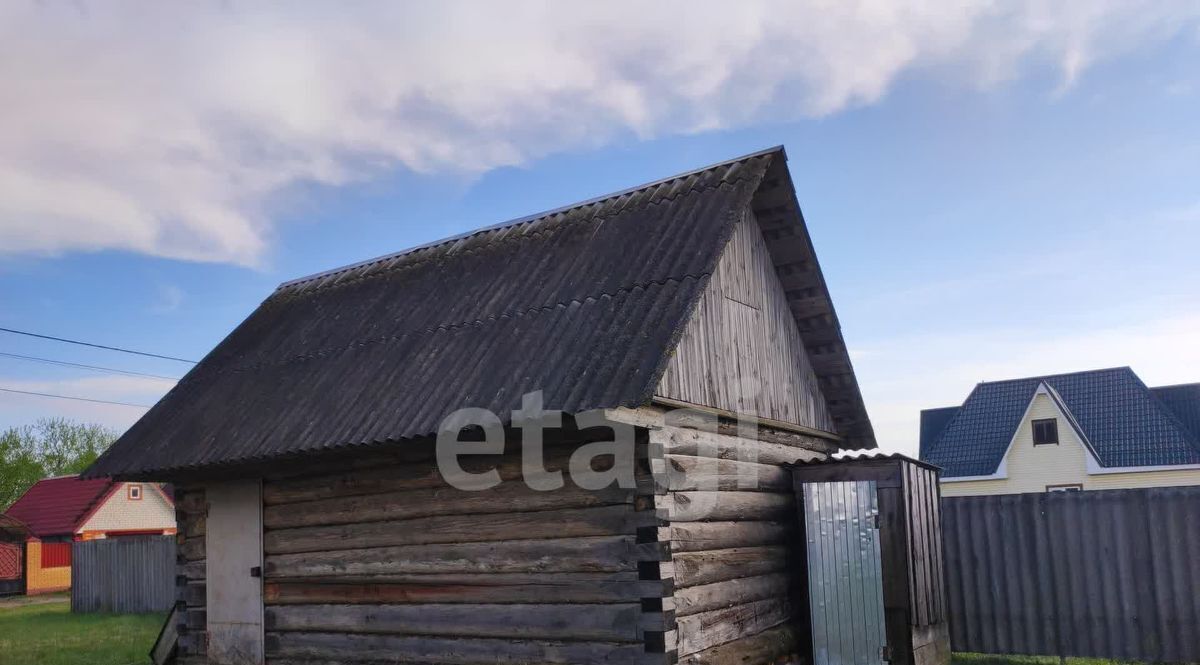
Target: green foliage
x,y
49,447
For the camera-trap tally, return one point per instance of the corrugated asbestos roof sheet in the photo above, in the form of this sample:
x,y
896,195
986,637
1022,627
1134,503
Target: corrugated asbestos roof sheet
x,y
863,456
584,303
1123,421
54,506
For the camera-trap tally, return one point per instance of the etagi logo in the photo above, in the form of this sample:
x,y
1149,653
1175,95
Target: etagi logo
x,y
689,457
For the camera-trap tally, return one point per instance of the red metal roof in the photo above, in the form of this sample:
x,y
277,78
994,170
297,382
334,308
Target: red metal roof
x,y
54,506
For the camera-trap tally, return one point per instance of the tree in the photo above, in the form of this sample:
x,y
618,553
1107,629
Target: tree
x,y
49,447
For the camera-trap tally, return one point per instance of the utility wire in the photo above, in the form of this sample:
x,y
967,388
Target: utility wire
x,y
96,346
92,367
77,399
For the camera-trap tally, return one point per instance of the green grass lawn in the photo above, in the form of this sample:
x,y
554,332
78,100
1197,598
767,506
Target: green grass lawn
x,y
46,633
989,659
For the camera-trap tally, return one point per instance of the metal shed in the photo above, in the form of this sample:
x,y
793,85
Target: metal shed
x,y
875,587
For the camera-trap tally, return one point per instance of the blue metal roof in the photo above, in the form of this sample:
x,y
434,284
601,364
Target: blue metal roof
x,y
1125,423
1184,401
933,423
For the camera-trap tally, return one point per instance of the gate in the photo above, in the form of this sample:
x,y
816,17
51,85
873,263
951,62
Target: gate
x,y
12,569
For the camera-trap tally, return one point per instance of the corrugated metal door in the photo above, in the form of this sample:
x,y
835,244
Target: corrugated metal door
x,y
845,579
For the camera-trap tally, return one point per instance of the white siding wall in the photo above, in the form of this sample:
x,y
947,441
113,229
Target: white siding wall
x,y
1031,468
119,513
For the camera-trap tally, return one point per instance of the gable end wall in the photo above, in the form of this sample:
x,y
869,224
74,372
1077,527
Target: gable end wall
x,y
1031,468
742,351
120,513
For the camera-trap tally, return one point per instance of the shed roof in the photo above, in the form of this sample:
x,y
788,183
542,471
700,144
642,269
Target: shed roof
x,y
584,303
1124,423
55,506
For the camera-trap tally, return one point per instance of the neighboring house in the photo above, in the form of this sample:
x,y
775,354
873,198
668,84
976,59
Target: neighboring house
x,y
318,526
59,511
1101,429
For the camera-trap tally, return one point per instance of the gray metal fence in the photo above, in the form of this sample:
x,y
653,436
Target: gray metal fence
x,y
123,575
1100,574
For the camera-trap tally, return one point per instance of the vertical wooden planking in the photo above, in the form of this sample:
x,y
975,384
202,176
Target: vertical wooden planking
x,y
123,576
741,351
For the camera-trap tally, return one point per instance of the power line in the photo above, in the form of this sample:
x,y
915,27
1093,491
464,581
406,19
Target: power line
x,y
77,399
92,367
96,346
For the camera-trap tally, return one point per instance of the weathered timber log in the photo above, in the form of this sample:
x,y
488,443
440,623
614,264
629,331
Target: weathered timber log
x,y
593,554
192,525
684,473
196,619
708,597
727,444
693,568
600,521
351,648
193,594
401,477
192,549
194,570
709,629
702,536
190,500
600,623
480,589
760,649
511,496
730,506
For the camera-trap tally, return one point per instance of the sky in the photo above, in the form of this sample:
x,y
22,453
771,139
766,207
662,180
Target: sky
x,y
994,190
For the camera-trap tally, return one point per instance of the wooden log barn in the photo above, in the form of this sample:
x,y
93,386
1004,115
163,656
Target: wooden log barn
x,y
317,527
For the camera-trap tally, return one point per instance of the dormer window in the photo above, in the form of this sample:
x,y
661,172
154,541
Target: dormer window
x,y
134,492
1045,432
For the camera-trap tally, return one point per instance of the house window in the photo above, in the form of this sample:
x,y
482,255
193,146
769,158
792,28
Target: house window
x,y
56,555
135,492
1074,487
1045,432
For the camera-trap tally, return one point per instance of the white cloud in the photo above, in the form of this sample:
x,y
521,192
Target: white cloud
x,y
170,297
172,129
902,376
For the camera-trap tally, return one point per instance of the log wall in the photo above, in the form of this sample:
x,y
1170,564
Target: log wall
x,y
390,563
732,542
190,591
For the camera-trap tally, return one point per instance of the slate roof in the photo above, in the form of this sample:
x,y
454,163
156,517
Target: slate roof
x,y
54,506
1124,423
585,303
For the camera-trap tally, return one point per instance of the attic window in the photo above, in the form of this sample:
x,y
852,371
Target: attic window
x,y
134,492
1045,432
